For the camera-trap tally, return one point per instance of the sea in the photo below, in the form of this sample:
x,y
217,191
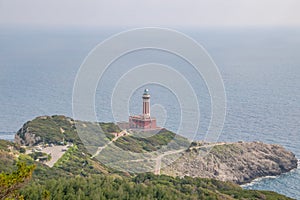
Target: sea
x,y
260,69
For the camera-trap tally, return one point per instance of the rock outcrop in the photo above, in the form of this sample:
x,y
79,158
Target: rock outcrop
x,y
237,162
25,137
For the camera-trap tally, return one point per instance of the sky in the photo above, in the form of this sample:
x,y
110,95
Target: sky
x,y
137,13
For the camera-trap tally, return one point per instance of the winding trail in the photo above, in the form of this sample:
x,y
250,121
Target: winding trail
x,y
160,157
157,159
117,136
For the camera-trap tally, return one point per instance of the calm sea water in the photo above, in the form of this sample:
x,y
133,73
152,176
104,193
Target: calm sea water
x,y
260,69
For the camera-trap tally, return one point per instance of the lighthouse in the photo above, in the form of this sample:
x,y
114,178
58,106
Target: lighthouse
x,y
143,121
146,103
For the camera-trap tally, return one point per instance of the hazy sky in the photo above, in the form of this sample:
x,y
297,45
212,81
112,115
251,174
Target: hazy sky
x,y
150,13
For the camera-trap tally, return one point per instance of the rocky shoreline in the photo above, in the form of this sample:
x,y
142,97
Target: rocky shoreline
x,y
240,162
245,185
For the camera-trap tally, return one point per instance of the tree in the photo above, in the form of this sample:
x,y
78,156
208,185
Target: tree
x,y
11,183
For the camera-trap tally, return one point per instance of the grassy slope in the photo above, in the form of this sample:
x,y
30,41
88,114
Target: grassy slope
x,y
152,143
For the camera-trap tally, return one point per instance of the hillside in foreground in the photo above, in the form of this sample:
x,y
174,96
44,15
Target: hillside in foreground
x,y
79,173
103,186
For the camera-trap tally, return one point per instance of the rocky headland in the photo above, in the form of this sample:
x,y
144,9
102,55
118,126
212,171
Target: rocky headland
x,y
239,162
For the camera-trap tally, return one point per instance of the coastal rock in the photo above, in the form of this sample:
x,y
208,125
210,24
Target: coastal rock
x,y
25,138
237,162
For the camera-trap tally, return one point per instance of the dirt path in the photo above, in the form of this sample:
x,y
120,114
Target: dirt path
x,y
159,157
122,133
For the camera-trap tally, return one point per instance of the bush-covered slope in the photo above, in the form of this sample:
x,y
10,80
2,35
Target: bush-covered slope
x,y
60,185
7,155
58,128
154,142
142,186
47,129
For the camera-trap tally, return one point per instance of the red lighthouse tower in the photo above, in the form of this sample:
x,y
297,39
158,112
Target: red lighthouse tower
x,y
144,121
146,103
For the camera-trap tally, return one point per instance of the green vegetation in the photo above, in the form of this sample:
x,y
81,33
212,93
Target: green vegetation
x,y
7,155
56,183
56,129
152,143
5,146
39,155
76,162
113,186
226,150
109,127
142,186
10,183
53,129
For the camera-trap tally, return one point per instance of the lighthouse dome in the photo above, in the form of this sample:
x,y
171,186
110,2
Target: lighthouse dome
x,y
146,91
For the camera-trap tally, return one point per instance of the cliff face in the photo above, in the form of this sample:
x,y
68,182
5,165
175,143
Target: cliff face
x,y
237,162
25,137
